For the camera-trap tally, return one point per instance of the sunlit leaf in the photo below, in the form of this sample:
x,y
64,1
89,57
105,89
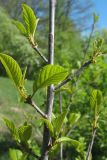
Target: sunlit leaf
x,y
14,72
20,26
76,144
15,154
50,74
95,100
11,128
29,19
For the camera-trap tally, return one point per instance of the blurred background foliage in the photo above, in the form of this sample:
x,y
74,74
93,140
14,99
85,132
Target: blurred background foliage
x,y
69,52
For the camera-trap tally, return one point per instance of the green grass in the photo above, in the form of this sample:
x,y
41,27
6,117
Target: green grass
x,y
12,108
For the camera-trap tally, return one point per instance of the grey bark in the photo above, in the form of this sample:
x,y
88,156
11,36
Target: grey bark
x,y
91,145
50,93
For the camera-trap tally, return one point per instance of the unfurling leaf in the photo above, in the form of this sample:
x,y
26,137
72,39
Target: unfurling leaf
x,y
20,26
15,154
95,100
50,74
12,68
95,17
11,128
30,21
76,144
25,132
14,72
74,117
58,122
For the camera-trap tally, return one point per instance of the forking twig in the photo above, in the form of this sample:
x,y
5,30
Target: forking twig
x,y
32,103
76,74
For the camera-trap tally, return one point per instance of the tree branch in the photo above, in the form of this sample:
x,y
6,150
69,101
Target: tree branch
x,y
76,74
60,106
32,103
50,93
40,54
89,41
91,145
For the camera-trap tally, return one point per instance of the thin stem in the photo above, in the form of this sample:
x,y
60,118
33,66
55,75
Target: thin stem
x,y
76,74
61,151
60,106
89,41
32,103
60,102
91,145
40,54
50,93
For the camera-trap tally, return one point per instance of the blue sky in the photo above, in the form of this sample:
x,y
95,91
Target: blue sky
x,y
100,7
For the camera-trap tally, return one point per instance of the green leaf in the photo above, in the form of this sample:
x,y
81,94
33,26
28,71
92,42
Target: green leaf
x,y
50,74
96,17
20,26
58,122
11,128
95,100
14,72
74,117
15,154
76,144
49,126
29,19
25,132
12,68
24,156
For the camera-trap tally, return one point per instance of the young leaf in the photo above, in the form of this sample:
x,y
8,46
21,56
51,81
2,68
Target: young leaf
x,y
12,68
21,27
76,144
49,126
11,128
25,132
29,19
50,74
96,17
14,72
74,117
15,154
95,100
58,122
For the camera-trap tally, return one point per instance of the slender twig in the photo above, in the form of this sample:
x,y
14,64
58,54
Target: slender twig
x,y
89,41
32,103
60,106
60,102
91,145
40,54
76,74
50,93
